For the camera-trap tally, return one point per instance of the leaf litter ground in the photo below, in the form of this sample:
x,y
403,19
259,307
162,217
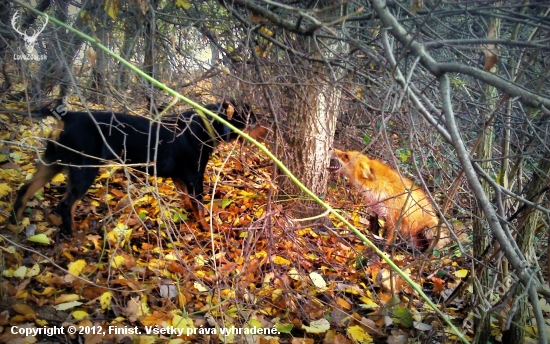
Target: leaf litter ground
x,y
138,262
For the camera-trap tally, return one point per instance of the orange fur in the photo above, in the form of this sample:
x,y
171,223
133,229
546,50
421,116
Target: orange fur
x,y
393,197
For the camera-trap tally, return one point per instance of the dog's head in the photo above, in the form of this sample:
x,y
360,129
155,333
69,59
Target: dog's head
x,y
239,115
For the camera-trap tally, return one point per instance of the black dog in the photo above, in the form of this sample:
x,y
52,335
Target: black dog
x,y
178,147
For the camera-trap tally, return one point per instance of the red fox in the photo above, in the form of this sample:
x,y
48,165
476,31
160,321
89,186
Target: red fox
x,y
404,206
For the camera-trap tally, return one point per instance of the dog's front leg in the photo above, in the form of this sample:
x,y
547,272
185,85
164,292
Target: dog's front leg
x,y
193,201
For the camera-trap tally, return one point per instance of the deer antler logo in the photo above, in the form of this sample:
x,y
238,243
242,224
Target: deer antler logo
x,y
30,41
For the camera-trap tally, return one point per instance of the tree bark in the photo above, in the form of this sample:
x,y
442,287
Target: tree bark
x,y
313,108
55,69
7,35
150,51
528,222
481,240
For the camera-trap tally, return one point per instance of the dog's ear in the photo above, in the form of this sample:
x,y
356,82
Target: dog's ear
x,y
229,110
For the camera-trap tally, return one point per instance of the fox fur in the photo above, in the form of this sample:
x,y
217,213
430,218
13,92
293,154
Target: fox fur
x,y
403,205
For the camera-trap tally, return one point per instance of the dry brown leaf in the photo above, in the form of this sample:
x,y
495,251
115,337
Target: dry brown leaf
x,y
175,267
24,310
343,303
439,284
256,18
117,193
157,318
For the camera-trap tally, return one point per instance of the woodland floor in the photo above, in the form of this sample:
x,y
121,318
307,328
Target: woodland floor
x,y
138,261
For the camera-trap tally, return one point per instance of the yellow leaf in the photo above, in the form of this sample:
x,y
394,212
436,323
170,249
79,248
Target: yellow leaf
x,y
276,294
21,295
25,310
186,4
259,212
343,303
5,189
8,273
180,322
48,291
293,273
10,175
59,178
67,305
318,280
266,31
260,254
40,239
120,233
269,311
105,175
66,298
227,293
200,260
368,303
358,335
34,271
281,261
170,256
247,194
461,273
144,309
111,7
145,200
41,322
200,287
79,314
317,326
118,261
106,300
21,272
76,267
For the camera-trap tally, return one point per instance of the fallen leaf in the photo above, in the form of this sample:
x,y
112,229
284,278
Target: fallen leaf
x,y
106,300
317,326
77,267
25,310
461,273
67,305
358,335
318,280
40,239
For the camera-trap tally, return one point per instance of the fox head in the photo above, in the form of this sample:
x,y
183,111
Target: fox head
x,y
353,165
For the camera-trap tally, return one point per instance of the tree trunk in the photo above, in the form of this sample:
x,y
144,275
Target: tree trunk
x,y
127,51
313,108
7,35
527,225
480,243
54,70
97,82
482,324
150,52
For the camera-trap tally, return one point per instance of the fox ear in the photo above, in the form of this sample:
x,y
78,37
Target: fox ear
x,y
366,171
